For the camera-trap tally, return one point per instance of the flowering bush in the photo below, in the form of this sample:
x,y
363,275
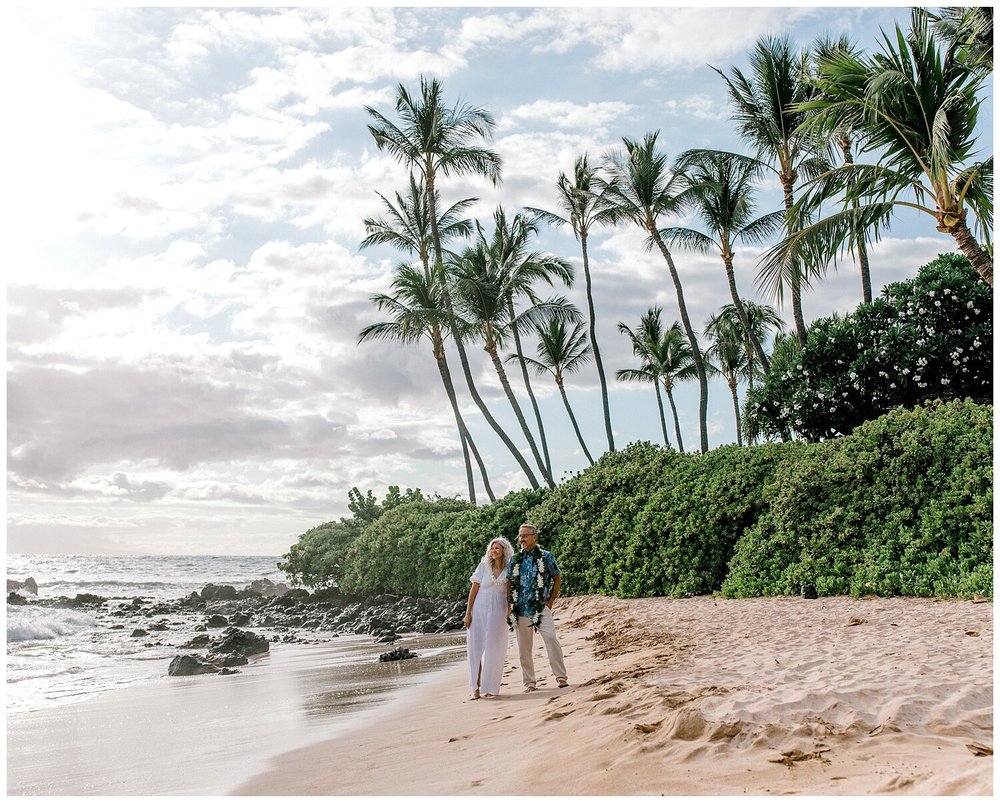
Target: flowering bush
x,y
927,338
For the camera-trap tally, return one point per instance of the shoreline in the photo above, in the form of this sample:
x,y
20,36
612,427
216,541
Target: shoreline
x,y
202,735
698,696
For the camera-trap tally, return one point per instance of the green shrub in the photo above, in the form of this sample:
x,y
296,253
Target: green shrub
x,y
649,521
430,548
903,506
316,559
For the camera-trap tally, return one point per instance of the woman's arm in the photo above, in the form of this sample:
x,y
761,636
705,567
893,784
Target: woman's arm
x,y
468,606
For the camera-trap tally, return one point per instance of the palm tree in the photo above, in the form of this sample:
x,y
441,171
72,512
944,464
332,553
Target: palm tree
x,y
521,269
481,291
642,189
406,226
417,313
843,133
971,31
433,138
729,359
580,207
763,320
917,105
561,352
665,358
768,117
719,189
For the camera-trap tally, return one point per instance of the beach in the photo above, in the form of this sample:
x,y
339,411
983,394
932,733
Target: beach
x,y
701,696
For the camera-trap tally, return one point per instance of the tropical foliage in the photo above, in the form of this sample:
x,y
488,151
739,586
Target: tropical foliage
x,y
930,337
903,505
895,497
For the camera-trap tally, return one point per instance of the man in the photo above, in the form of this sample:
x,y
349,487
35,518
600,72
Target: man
x,y
532,603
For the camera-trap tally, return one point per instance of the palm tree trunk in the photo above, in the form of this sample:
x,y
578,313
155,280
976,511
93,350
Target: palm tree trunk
x,y
731,381
980,260
593,341
437,343
515,452
796,277
572,419
677,421
741,311
527,385
462,356
463,431
699,363
505,383
866,275
659,408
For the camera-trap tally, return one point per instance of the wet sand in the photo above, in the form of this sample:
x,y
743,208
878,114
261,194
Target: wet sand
x,y
703,696
206,734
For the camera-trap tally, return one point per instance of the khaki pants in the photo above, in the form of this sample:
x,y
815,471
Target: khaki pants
x,y
525,637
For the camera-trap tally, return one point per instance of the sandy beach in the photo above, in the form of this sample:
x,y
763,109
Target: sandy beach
x,y
703,696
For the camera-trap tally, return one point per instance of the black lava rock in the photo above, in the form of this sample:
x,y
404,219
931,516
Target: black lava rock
x,y
239,642
398,654
190,665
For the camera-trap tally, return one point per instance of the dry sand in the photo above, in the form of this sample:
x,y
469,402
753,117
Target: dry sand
x,y
836,696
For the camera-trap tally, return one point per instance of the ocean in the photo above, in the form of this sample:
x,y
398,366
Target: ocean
x,y
56,655
70,672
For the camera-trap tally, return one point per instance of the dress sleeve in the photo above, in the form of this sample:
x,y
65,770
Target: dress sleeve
x,y
477,575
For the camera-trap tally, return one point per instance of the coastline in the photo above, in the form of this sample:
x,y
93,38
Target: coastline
x,y
202,735
701,696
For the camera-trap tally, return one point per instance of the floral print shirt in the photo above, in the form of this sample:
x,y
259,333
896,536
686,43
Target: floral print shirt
x,y
528,577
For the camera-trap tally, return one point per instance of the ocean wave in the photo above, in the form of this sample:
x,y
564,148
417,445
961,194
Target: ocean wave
x,y
39,624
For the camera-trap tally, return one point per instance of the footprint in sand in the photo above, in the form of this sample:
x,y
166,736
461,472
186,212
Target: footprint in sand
x,y
559,714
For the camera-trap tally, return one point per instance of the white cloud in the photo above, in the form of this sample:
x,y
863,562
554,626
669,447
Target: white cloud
x,y
642,39
593,118
699,106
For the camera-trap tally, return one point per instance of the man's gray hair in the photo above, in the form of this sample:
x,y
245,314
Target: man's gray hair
x,y
528,526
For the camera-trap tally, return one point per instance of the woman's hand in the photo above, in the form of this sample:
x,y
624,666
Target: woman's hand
x,y
467,620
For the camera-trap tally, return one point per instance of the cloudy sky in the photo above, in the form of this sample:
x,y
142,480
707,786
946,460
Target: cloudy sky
x,y
186,288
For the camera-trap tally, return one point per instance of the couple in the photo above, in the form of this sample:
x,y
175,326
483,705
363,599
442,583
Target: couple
x,y
526,585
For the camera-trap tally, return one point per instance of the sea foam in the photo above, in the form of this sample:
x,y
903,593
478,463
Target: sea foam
x,y
35,623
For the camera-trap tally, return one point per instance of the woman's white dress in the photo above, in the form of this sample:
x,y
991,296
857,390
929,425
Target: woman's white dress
x,y
488,635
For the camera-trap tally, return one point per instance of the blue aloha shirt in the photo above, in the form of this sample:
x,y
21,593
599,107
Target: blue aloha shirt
x,y
528,575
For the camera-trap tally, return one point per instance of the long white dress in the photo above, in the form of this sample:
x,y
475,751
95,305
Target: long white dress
x,y
488,636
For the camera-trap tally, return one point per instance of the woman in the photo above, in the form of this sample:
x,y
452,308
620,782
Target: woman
x,y
486,619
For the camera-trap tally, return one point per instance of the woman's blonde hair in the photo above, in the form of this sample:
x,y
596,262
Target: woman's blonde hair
x,y
508,551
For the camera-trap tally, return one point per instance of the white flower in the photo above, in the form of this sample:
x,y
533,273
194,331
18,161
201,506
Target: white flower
x,y
945,380
947,291
931,293
969,305
892,385
906,371
937,303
